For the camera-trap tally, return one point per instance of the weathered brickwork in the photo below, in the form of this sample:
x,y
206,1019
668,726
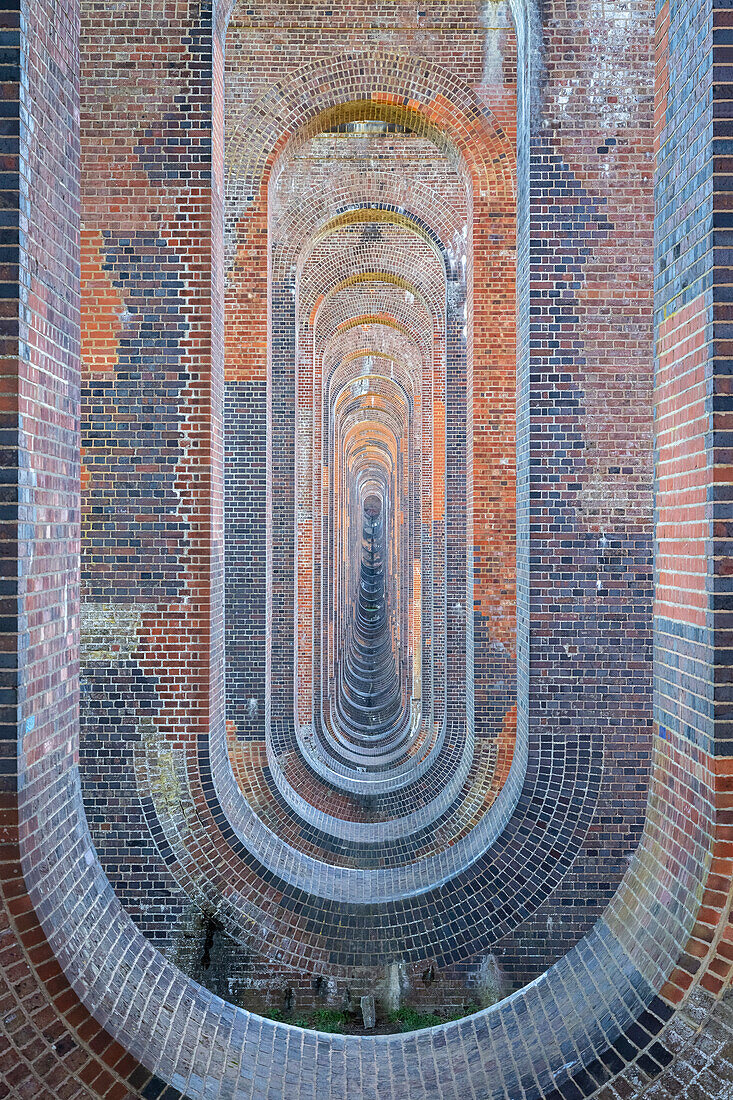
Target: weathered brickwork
x,y
373,364
50,1045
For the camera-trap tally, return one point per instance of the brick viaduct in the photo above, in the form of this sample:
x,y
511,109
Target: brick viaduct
x,y
366,535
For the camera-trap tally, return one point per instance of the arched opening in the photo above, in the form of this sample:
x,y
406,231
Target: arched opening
x,y
364,361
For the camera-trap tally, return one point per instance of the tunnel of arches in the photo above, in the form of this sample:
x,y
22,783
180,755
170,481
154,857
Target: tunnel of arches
x,y
368,708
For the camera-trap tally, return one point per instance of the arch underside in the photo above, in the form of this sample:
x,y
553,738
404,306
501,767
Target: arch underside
x,y
368,574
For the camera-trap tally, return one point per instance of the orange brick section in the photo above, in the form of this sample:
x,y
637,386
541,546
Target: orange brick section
x,y
682,466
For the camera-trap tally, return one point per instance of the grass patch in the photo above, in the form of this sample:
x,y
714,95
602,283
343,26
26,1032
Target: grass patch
x,y
329,1019
411,1019
336,1022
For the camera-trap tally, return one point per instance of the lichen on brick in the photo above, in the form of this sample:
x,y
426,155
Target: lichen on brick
x,y
110,631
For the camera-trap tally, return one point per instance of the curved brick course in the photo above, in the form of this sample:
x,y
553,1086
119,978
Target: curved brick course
x,y
404,559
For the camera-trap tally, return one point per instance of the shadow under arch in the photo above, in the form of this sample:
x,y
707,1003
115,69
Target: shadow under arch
x,y
480,1047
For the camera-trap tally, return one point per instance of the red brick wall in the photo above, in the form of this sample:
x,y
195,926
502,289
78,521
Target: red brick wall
x,y
153,556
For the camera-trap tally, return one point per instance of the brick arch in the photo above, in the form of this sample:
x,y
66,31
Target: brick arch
x,y
466,1044
428,282
322,241
307,224
378,85
405,109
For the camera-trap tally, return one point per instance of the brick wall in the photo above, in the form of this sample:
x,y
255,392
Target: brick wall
x,y
538,827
